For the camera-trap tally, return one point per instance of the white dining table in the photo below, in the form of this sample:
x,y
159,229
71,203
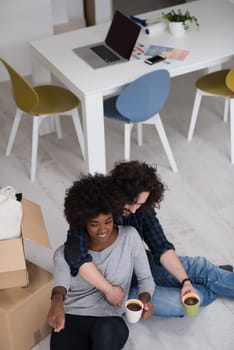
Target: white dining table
x,y
212,44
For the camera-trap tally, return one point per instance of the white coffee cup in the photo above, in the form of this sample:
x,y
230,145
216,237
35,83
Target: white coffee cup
x,y
133,310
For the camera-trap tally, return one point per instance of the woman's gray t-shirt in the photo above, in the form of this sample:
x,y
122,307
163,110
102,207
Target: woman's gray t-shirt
x,y
116,263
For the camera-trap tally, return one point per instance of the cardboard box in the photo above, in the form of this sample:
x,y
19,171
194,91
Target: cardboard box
x,y
23,311
13,271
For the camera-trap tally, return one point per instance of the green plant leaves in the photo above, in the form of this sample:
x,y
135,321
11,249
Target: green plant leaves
x,y
179,16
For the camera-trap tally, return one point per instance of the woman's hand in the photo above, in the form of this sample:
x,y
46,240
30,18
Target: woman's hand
x,y
147,311
148,308
56,317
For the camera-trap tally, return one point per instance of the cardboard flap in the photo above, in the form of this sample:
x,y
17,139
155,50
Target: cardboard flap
x,y
33,226
12,255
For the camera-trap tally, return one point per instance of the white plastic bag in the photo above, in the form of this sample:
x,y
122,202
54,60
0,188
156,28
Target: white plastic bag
x,y
10,214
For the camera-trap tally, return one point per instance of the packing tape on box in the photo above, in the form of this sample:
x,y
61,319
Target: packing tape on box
x,y
155,28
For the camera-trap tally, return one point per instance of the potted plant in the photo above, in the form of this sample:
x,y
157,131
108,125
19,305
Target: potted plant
x,y
180,20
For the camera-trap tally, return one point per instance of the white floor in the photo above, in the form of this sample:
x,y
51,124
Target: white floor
x,y
197,212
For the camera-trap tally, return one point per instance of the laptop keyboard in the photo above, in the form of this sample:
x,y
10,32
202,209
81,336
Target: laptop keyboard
x,y
105,53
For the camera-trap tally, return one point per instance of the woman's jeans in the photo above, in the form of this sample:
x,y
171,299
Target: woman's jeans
x,y
90,333
209,280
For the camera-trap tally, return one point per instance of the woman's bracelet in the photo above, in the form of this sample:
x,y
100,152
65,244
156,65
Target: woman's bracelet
x,y
185,280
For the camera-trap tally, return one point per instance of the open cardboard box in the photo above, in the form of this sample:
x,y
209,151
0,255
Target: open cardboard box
x,y
13,271
23,311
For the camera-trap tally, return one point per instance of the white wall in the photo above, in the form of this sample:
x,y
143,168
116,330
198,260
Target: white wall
x,y
103,11
66,10
20,22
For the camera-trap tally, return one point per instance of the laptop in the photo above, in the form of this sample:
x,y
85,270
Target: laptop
x,y
117,47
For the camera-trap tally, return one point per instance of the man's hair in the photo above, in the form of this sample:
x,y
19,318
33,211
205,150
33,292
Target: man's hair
x,y
89,197
131,178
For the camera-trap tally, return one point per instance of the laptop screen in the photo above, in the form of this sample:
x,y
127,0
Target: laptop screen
x,y
122,35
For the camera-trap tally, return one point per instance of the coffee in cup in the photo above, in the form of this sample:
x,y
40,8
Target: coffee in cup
x,y
133,310
191,303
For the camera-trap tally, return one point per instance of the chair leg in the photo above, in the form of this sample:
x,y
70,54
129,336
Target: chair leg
x,y
14,129
58,128
226,110
139,134
127,140
193,120
232,128
35,136
163,137
79,131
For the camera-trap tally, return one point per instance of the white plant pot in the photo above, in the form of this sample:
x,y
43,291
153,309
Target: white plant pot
x,y
176,28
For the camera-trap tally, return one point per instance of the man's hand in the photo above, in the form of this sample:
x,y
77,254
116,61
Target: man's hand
x,y
187,288
56,318
114,295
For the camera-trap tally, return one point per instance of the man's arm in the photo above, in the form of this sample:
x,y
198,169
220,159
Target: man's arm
x,y
150,229
113,294
162,249
78,259
172,264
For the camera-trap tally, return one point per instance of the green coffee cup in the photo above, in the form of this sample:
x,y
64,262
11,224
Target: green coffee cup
x,y
191,303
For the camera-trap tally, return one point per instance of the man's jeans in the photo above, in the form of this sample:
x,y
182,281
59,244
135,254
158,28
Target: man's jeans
x,y
209,281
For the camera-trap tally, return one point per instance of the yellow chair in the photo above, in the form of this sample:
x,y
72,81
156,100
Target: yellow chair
x,y
219,83
40,102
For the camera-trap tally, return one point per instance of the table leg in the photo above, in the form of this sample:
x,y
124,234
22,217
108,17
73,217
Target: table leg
x,y
93,124
232,128
41,75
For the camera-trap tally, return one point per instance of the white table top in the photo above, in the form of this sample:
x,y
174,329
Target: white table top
x,y
212,43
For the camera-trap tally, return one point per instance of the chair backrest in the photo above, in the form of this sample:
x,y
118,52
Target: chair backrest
x,y
145,96
25,96
230,80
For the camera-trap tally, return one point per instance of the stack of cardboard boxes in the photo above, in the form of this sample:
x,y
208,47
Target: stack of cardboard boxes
x,y
24,287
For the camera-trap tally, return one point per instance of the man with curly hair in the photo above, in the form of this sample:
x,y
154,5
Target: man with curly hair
x,y
139,189
80,315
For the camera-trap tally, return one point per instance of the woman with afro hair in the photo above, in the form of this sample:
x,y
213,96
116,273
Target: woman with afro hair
x,y
81,316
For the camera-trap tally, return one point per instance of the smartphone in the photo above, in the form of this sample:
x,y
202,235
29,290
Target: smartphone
x,y
154,59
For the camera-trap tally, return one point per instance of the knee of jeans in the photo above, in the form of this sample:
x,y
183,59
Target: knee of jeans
x,y
170,311
167,302
204,262
205,294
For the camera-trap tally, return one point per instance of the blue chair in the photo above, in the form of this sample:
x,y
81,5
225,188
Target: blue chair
x,y
140,102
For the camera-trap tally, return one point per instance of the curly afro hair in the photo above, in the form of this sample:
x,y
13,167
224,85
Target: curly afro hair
x,y
89,197
133,177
